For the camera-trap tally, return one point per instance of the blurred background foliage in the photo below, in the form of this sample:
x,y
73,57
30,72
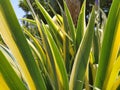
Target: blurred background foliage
x,y
45,3
104,5
73,5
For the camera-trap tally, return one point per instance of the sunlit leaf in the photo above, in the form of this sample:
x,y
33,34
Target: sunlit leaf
x,y
110,46
9,75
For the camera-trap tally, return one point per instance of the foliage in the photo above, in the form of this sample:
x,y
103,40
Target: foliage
x,y
45,4
105,6
61,56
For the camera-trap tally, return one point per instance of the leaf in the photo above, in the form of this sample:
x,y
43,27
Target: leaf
x,y
67,46
116,85
115,69
81,25
81,58
47,17
28,20
9,75
70,22
13,36
110,46
7,53
3,84
114,74
51,65
41,53
58,60
55,30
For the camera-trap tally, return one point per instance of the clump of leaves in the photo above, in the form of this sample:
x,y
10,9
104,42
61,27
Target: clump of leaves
x,y
63,57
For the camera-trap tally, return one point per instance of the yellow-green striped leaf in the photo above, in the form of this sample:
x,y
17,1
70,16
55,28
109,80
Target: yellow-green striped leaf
x,y
110,46
81,58
9,75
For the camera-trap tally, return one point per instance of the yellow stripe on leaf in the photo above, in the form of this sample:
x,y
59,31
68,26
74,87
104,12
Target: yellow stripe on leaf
x,y
8,39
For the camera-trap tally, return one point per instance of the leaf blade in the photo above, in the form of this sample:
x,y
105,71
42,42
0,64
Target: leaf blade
x,y
107,44
14,38
58,60
9,75
81,58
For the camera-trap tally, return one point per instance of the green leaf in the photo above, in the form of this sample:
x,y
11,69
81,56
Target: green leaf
x,y
96,46
11,78
81,25
14,38
110,46
66,44
39,48
58,60
81,59
50,62
3,84
7,53
47,17
43,61
114,68
55,30
29,20
70,22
